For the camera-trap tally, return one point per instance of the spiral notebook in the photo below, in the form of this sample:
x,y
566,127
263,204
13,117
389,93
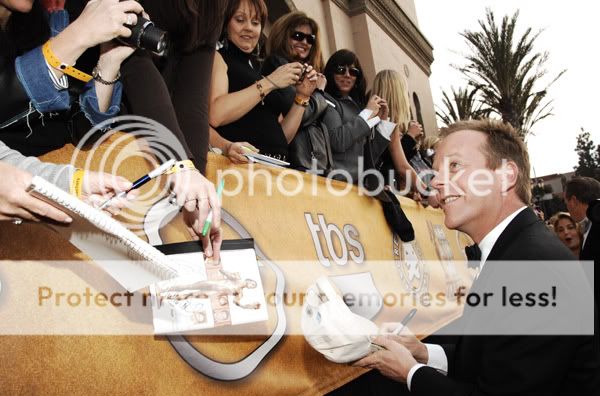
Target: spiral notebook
x,y
133,263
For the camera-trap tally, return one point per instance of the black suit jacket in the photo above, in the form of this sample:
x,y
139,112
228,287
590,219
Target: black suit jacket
x,y
591,248
517,365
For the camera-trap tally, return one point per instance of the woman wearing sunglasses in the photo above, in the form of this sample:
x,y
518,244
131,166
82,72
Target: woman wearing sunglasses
x,y
238,114
295,38
353,117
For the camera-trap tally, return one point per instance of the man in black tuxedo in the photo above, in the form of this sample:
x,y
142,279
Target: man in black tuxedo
x,y
579,193
497,218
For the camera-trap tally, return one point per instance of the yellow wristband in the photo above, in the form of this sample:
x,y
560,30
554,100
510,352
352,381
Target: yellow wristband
x,y
181,166
63,67
77,183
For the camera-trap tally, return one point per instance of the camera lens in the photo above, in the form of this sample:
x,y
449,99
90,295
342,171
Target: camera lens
x,y
146,36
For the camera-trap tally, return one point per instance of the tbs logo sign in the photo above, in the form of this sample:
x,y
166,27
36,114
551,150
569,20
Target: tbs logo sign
x,y
346,239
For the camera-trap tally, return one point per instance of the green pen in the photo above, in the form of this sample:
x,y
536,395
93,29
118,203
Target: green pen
x,y
208,221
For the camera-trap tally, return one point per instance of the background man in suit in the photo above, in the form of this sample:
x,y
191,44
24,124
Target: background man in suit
x,y
580,192
495,215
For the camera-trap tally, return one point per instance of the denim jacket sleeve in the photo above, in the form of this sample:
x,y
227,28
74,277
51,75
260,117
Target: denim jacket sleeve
x,y
32,72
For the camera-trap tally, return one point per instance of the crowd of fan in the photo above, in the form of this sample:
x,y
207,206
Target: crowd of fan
x,y
275,95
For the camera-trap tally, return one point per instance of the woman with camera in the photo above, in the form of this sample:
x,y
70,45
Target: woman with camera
x,y
47,101
295,38
238,111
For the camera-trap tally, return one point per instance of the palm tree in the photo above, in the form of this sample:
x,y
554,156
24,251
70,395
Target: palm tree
x,y
506,70
463,105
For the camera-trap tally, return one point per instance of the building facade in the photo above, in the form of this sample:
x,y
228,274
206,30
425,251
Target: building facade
x,y
383,33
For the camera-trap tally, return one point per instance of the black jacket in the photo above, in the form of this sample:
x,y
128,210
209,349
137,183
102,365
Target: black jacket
x,y
517,365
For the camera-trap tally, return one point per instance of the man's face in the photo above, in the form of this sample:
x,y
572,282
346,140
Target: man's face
x,y
574,208
469,192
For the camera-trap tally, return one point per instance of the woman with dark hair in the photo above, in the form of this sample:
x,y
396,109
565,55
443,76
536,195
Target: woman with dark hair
x,y
351,124
237,109
295,37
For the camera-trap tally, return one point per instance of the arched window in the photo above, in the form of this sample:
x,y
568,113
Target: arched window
x,y
418,108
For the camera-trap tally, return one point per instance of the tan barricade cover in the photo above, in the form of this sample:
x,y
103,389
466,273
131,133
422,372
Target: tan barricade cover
x,y
304,236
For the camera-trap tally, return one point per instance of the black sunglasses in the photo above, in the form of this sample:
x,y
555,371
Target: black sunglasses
x,y
353,71
299,36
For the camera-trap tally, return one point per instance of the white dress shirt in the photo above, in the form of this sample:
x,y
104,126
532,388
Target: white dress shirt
x,y
437,357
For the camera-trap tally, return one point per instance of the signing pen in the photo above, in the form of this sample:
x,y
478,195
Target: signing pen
x,y
208,221
405,321
142,180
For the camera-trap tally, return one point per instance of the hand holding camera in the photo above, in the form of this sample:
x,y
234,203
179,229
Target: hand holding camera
x,y
286,75
307,82
104,20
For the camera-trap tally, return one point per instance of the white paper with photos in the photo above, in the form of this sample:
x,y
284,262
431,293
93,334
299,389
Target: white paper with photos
x,y
208,294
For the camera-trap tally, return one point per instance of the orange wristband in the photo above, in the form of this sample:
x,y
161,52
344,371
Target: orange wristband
x,y
63,67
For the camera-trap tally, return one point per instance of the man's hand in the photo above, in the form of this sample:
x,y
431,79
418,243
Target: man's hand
x,y
408,339
395,361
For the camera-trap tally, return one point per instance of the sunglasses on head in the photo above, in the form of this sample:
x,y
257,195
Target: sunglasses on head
x,y
353,71
300,36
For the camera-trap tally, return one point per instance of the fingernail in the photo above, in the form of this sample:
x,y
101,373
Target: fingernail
x,y
68,220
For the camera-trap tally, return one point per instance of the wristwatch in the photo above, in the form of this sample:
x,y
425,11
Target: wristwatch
x,y
98,77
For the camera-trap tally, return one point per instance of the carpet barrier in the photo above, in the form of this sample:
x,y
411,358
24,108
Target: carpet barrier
x,y
302,230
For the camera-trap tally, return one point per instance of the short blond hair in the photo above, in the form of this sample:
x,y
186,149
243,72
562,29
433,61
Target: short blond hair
x,y
502,143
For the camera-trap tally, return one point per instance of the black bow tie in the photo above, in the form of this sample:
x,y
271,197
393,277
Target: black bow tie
x,y
473,255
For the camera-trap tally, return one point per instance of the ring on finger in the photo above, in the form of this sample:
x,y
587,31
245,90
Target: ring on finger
x,y
17,221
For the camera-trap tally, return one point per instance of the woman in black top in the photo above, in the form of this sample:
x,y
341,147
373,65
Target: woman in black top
x,y
238,90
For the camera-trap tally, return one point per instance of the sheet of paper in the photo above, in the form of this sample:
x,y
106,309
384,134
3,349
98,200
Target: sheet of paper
x,y
209,294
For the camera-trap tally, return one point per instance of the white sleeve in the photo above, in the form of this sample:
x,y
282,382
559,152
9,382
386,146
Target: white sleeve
x,y
437,358
59,83
386,128
365,114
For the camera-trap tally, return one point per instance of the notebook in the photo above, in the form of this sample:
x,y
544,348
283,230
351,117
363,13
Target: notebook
x,y
131,261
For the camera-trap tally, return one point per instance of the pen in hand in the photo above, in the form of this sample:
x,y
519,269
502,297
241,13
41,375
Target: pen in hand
x,y
208,220
141,181
404,321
